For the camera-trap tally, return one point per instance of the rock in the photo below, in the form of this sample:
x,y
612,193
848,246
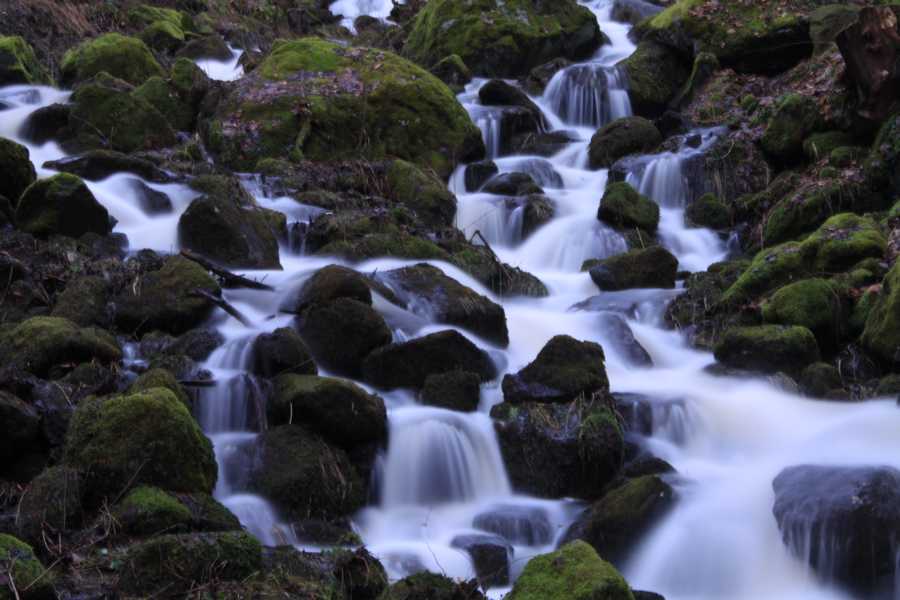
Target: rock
x,y
161,378
360,574
62,205
150,511
574,572
517,524
843,521
709,212
458,390
537,211
615,524
53,503
565,369
768,348
151,201
555,450
621,338
542,144
95,165
624,208
821,380
342,333
409,364
164,446
477,174
882,326
433,587
208,46
795,118
425,290
512,184
84,301
490,556
821,145
46,123
502,279
356,93
41,345
162,95
18,64
770,269
15,164
629,135
422,192
330,283
816,304
653,267
123,57
23,568
20,428
452,71
843,241
340,411
281,352
502,40
537,79
304,476
178,563
164,299
634,11
497,92
163,36
655,75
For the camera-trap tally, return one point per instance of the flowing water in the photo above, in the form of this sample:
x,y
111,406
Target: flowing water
x,y
442,475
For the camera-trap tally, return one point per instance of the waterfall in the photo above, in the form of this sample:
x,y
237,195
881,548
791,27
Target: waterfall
x,y
349,10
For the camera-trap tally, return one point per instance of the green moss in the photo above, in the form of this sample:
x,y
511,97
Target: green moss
x,y
148,510
624,208
307,54
843,241
422,192
820,379
710,212
53,502
770,269
41,344
655,75
121,56
146,14
795,118
629,135
816,304
18,64
821,145
574,572
19,563
18,172
845,156
161,378
61,204
163,36
162,96
882,330
768,348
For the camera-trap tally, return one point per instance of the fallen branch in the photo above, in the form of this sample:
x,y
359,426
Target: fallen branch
x,y
223,304
229,279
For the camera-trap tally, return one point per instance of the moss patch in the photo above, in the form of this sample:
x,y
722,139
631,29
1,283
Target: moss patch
x,y
123,57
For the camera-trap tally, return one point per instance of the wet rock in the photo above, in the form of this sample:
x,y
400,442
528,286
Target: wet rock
x,y
423,193
653,267
425,290
538,211
281,352
528,117
517,524
538,78
18,64
120,56
330,283
624,208
634,11
409,364
151,201
477,174
620,337
433,587
95,165
564,369
452,71
842,521
574,571
25,570
708,211
768,348
46,123
62,205
817,304
456,390
18,172
490,556
794,120
622,137
52,504
502,279
821,380
512,184
655,74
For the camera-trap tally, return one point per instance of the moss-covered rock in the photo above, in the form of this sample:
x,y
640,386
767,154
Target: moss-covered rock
x,y
816,304
164,298
820,380
175,564
882,326
452,71
41,344
161,378
163,446
457,390
624,208
843,241
318,100
18,172
149,511
330,283
655,75
338,410
794,119
768,348
653,267
629,135
53,504
281,352
23,568
123,57
146,14
563,370
165,98
770,269
84,301
821,145
63,205
432,586
708,211
304,476
574,572
502,39
421,192
18,64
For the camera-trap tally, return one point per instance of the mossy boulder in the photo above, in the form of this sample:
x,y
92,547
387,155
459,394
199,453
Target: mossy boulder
x,y
161,378
146,14
882,327
502,39
42,344
628,135
123,57
175,564
821,380
23,569
408,364
163,36
85,301
62,205
18,64
281,352
330,283
422,192
304,476
53,503
708,211
794,119
149,511
318,100
771,268
165,98
338,410
574,572
816,304
656,74
164,446
432,586
624,208
843,241
653,267
457,390
165,299
768,348
821,145
18,172
452,71
564,369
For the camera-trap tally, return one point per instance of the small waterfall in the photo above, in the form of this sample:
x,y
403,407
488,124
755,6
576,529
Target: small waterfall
x,y
489,123
223,70
590,95
351,9
498,219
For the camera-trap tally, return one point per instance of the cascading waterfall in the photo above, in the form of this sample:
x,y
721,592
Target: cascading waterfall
x,y
349,10
591,95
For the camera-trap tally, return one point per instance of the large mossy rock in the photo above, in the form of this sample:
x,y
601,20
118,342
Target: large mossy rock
x,y
624,208
164,299
318,100
795,118
123,57
422,192
502,39
817,304
770,269
281,352
574,572
18,64
564,369
653,267
53,504
304,476
882,327
41,344
23,569
655,74
18,172
62,205
628,135
768,348
146,438
146,511
457,390
433,587
338,410
330,283
844,241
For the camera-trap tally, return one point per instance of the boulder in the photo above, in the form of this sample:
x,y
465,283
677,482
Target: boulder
x,y
768,348
149,200
490,555
281,352
457,390
822,380
537,79
160,93
408,364
653,267
537,211
479,173
517,524
881,335
817,304
95,165
15,164
24,569
452,71
425,290
709,212
123,57
842,242
149,511
565,369
619,336
20,428
770,269
497,92
574,572
422,192
634,11
330,283
18,64
62,205
161,378
209,46
52,504
795,118
84,301
512,184
433,587
338,410
628,135
624,208
655,75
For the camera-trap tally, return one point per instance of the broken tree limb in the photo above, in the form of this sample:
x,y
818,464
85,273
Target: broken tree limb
x,y
223,304
229,279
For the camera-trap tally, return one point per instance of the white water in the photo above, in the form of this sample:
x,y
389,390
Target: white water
x,y
727,437
223,70
349,10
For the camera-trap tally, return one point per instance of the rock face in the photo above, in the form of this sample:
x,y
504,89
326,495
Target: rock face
x,y
768,348
63,205
502,39
564,369
844,522
629,135
653,267
315,99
